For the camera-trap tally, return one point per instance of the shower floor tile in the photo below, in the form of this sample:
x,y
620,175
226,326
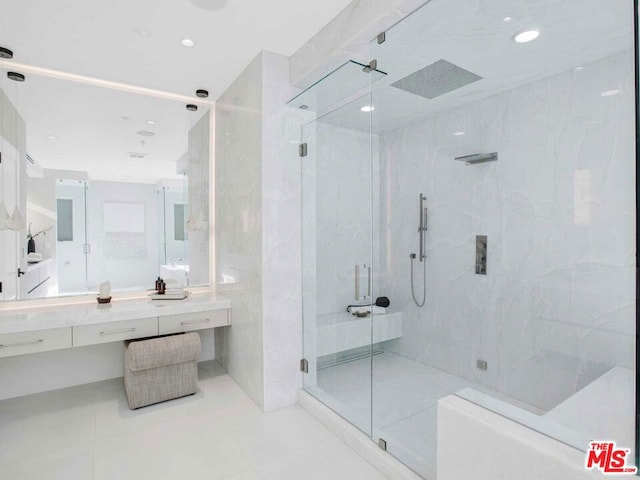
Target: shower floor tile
x,y
405,398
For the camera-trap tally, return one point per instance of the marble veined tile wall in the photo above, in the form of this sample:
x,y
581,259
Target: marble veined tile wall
x,y
238,193
281,235
347,166
556,308
258,231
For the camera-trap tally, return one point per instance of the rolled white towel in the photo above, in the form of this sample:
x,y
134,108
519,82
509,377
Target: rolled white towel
x,y
367,308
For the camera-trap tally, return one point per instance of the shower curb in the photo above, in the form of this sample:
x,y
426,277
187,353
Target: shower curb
x,y
360,443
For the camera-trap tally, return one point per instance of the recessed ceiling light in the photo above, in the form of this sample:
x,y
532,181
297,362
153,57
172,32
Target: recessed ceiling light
x,y
51,137
528,35
368,108
151,122
610,93
458,134
579,68
145,133
507,19
187,42
15,76
5,53
124,117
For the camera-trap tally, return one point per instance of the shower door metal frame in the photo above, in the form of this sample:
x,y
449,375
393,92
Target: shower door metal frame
x,y
636,24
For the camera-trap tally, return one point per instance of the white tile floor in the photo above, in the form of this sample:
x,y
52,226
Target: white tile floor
x,y
88,432
405,398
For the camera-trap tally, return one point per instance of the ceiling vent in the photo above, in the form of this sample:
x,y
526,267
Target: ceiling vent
x,y
436,79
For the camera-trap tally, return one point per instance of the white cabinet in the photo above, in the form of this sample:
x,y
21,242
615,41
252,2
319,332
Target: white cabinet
x,y
114,331
56,327
35,341
187,322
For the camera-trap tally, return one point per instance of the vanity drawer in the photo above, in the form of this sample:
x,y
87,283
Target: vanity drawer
x,y
32,342
186,322
114,331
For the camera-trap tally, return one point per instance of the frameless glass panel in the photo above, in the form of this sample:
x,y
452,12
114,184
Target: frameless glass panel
x,y
524,153
337,262
344,83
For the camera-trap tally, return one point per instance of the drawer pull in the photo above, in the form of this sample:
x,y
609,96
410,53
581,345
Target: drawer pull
x,y
122,330
191,322
22,344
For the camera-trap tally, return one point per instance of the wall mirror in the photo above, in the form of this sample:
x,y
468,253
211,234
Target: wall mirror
x,y
99,184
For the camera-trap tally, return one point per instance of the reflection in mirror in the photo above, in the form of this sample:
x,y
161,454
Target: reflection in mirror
x,y
111,186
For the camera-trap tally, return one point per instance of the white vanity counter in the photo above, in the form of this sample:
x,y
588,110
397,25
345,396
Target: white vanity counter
x,y
36,266
55,327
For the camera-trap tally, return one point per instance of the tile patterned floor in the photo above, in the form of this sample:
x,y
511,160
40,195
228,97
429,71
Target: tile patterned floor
x,y
88,432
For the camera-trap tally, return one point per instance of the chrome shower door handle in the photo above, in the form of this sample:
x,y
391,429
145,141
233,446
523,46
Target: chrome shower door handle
x,y
358,295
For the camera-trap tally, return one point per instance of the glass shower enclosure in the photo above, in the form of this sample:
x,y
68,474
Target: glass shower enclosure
x,y
468,212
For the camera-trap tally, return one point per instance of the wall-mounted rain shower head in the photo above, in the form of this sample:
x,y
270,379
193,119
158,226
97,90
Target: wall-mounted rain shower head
x,y
478,158
436,79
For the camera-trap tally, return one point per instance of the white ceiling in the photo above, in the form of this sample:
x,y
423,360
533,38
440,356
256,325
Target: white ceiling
x,y
473,35
100,38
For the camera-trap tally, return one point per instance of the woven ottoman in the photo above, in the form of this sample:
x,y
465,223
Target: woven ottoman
x,y
160,369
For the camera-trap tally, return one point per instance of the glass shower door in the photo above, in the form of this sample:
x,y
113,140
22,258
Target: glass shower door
x,y
337,249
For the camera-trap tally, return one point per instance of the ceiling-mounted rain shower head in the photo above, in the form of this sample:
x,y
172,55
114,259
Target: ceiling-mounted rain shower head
x,y
436,79
478,158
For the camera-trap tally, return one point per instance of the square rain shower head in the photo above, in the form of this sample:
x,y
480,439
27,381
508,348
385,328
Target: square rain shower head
x,y
436,79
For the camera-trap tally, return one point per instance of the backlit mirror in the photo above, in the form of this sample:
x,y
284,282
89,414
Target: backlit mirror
x,y
99,184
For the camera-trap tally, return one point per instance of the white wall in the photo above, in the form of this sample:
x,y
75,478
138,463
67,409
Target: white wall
x,y
557,306
135,271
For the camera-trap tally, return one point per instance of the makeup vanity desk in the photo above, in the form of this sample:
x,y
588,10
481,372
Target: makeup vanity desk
x,y
55,327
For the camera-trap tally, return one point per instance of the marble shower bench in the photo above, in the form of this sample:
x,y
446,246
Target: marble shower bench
x,y
339,332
